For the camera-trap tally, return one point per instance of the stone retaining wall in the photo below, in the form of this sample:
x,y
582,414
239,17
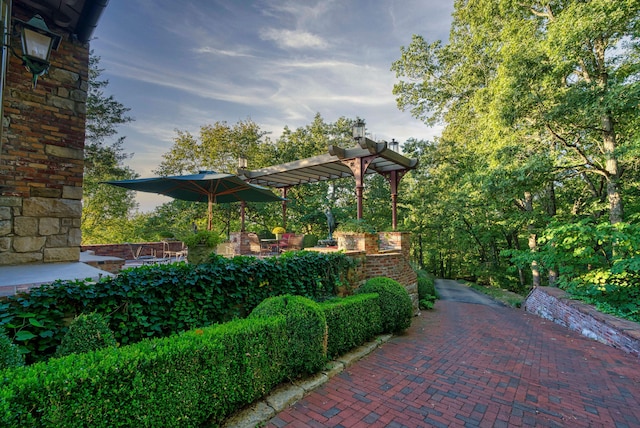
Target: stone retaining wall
x,y
553,304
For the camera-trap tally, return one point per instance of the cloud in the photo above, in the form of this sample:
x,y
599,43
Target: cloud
x,y
221,52
295,39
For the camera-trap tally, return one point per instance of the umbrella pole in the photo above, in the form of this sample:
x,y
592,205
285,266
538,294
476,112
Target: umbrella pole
x,y
243,205
210,212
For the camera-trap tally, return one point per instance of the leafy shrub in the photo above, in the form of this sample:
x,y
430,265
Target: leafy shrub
x,y
351,321
395,303
10,355
426,285
86,333
307,330
309,241
427,302
356,226
160,300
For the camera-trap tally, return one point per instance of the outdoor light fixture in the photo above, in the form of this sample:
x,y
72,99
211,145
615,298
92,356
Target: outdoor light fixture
x,y
358,130
242,162
37,42
394,145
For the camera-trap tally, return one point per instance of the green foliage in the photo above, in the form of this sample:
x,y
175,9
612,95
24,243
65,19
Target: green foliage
x,y
10,355
351,321
309,241
427,302
307,331
160,300
354,225
426,284
196,378
86,333
426,290
395,303
104,208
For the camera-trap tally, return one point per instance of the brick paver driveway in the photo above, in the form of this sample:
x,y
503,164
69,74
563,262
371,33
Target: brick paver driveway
x,y
470,364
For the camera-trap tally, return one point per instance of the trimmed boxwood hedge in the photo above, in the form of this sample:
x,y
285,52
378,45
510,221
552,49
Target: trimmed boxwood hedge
x,y
307,326
395,303
191,379
200,376
351,322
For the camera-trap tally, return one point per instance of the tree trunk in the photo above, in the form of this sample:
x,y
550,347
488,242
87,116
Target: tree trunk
x,y
616,213
551,210
533,238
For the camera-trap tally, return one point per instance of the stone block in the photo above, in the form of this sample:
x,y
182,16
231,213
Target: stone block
x,y
25,226
10,201
5,213
45,192
69,254
63,76
63,103
72,192
5,227
47,207
75,237
57,241
28,244
5,244
9,259
64,152
49,226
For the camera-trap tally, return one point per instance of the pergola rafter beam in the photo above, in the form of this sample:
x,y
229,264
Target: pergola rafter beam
x,y
368,157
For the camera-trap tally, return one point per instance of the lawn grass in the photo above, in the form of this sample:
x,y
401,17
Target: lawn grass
x,y
507,297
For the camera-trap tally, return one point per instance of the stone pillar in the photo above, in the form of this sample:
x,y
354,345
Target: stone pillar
x,y
42,155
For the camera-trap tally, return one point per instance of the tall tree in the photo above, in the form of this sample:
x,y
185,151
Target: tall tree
x,y
542,90
105,209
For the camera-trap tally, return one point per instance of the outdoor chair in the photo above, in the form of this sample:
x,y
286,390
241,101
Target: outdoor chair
x,y
254,243
295,243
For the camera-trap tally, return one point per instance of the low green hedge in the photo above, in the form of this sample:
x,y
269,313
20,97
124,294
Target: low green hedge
x,y
351,322
200,376
190,379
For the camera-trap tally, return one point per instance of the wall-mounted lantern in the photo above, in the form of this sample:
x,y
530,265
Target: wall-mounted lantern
x,y
37,43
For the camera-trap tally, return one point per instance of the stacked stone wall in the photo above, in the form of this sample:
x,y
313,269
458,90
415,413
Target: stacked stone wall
x,y
42,157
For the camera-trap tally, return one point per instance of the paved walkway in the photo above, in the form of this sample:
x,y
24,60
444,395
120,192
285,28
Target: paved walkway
x,y
467,365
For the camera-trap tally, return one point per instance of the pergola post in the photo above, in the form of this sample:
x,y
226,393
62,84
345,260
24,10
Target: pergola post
x,y
359,167
243,205
284,207
394,177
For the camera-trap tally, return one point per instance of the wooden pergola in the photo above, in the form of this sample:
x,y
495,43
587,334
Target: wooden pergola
x,y
368,157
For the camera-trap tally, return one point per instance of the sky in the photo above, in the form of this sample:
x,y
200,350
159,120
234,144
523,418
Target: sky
x,y
179,65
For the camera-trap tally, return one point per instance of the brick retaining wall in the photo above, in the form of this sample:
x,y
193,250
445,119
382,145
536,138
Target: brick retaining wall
x,y
553,304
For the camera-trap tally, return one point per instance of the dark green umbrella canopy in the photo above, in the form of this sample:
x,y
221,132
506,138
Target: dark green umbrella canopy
x,y
206,186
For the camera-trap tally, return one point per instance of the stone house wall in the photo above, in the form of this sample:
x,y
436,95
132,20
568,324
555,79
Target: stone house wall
x,y
42,156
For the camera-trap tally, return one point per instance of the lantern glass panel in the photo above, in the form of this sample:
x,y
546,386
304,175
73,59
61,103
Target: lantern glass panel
x,y
36,45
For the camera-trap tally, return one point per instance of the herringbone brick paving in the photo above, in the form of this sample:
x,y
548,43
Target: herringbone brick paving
x,y
470,365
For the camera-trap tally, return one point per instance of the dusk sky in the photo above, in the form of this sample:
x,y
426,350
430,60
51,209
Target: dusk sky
x,y
184,64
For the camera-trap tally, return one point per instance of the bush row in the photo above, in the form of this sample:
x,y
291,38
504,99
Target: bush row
x,y
160,300
196,377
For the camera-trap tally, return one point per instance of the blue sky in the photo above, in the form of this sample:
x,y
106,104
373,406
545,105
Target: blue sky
x,y
184,64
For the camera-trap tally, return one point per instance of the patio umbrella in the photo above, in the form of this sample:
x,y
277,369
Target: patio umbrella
x,y
206,186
